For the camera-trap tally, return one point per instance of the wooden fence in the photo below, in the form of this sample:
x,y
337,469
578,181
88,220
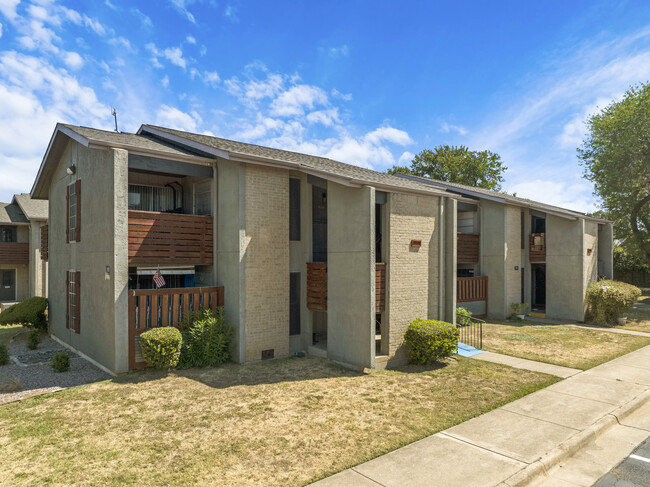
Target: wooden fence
x,y
152,308
380,287
169,238
467,247
471,289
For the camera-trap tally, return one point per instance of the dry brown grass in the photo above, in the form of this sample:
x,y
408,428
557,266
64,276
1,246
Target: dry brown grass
x,y
566,345
283,422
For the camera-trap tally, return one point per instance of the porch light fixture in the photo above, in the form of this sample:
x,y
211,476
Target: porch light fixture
x,y
71,170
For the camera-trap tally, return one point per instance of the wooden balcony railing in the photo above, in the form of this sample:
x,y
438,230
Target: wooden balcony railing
x,y
537,247
467,247
44,242
169,238
472,289
14,253
317,286
152,308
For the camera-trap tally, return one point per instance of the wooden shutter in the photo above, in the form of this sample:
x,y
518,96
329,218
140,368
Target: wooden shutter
x,y
77,308
67,211
77,187
67,299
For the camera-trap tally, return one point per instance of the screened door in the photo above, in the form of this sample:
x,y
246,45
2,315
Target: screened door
x,y
7,285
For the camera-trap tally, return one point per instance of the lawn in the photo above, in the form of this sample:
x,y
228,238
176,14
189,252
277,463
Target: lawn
x,y
8,332
639,318
566,345
281,422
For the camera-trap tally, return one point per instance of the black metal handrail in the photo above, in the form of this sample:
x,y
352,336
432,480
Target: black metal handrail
x,y
470,331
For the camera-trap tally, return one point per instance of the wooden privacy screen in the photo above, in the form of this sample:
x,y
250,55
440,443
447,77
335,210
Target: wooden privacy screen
x,y
472,289
537,247
44,242
14,253
169,238
151,308
467,247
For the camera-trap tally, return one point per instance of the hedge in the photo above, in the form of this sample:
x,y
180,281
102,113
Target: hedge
x,y
161,347
609,300
28,312
207,339
430,340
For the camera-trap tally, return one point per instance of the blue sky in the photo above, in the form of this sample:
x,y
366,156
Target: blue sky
x,y
368,83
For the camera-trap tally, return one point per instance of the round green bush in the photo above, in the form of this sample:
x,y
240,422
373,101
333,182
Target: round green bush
x,y
61,362
31,312
609,300
463,316
161,347
4,355
33,339
428,341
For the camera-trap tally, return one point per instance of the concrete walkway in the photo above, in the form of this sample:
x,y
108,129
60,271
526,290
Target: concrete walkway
x,y
522,363
517,444
549,321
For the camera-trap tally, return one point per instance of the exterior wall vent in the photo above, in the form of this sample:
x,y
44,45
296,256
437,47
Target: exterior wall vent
x,y
267,354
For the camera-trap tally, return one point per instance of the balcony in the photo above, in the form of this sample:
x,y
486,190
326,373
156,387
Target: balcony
x,y
317,286
169,238
467,245
14,253
537,247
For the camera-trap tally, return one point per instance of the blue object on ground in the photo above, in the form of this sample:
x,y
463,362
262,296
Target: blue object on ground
x,y
467,351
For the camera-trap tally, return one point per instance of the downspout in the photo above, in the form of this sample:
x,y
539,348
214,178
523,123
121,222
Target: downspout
x,y
441,259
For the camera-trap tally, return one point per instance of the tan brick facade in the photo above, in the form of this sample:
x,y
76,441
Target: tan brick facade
x,y
266,261
413,274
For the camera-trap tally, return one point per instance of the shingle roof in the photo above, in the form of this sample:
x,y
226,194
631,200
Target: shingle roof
x,y
144,142
305,161
33,209
478,192
11,213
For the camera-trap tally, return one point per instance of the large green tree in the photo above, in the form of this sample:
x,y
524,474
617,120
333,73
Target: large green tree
x,y
457,164
616,157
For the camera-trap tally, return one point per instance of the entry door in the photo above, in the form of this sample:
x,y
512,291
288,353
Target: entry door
x,y
7,285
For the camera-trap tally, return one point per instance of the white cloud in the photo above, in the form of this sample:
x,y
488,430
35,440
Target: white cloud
x,y
211,78
110,5
122,42
447,128
343,96
405,158
175,56
231,14
296,99
325,117
174,118
574,194
144,18
165,82
190,40
181,7
73,60
0,29
389,134
341,51
8,8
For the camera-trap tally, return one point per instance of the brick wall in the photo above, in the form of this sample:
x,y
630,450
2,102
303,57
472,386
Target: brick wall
x,y
412,273
267,261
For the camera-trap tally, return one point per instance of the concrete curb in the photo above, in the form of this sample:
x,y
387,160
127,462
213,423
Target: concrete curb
x,y
571,446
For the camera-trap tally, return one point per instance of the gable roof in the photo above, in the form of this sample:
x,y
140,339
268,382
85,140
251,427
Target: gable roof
x,y
315,165
471,191
33,209
11,213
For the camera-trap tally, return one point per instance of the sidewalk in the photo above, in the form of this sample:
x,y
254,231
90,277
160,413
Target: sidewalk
x,y
516,444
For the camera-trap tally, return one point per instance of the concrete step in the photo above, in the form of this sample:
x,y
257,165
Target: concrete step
x,y
317,351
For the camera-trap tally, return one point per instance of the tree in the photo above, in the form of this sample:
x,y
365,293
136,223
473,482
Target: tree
x,y
616,158
457,164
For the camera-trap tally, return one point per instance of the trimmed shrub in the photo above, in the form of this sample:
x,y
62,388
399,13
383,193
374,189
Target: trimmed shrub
x,y
518,308
31,312
207,339
161,347
33,339
61,362
609,300
4,355
430,340
463,316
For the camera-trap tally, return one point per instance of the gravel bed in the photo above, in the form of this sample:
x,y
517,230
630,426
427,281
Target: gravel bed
x,y
40,379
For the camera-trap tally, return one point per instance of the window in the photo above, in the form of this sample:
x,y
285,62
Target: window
x,y
294,303
294,209
74,212
153,198
7,234
73,311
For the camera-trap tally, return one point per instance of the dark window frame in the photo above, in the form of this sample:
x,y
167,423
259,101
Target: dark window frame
x,y
8,229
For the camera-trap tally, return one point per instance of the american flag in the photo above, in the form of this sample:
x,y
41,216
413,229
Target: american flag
x,y
158,280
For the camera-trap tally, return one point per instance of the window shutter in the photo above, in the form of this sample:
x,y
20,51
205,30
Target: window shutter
x,y
77,186
67,212
77,308
67,299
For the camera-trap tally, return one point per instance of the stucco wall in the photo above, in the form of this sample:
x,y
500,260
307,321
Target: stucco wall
x,y
104,228
266,261
513,256
351,274
493,255
412,273
590,263
564,268
605,248
22,280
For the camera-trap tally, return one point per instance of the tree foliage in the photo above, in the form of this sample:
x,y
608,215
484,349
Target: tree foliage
x,y
457,164
616,157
